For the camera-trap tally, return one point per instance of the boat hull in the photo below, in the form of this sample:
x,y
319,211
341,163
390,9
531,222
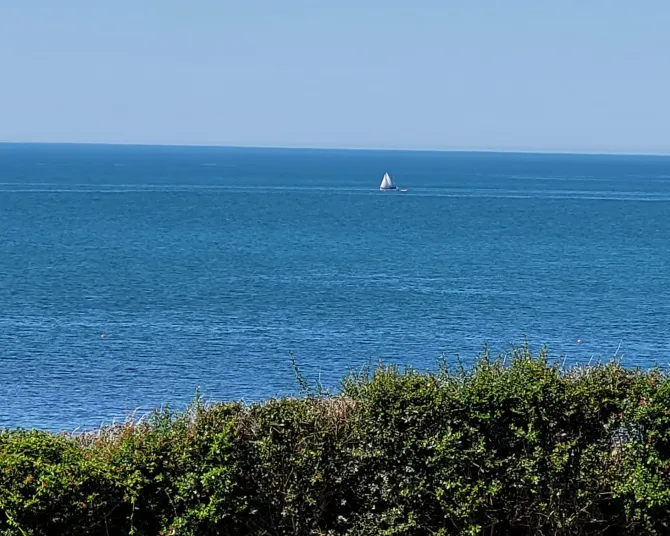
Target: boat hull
x,y
389,189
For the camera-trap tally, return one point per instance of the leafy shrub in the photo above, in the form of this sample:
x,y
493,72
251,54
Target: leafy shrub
x,y
514,445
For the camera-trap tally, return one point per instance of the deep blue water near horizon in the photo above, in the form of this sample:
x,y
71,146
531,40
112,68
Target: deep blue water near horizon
x,y
208,266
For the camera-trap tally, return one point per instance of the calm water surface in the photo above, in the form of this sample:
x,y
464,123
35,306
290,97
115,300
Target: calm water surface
x,y
208,266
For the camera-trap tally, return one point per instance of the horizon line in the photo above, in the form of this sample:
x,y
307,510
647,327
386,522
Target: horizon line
x,y
326,148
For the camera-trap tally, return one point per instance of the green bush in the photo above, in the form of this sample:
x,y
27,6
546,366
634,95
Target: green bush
x,y
513,445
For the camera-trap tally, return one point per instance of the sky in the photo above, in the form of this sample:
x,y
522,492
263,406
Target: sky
x,y
534,75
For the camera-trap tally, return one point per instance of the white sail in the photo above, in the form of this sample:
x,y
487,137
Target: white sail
x,y
387,183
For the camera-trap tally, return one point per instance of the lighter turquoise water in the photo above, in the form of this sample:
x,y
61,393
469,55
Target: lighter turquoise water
x,y
208,266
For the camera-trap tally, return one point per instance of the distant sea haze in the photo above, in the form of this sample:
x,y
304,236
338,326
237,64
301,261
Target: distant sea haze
x,y
130,275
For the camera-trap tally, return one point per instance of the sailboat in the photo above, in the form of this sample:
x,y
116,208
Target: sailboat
x,y
387,183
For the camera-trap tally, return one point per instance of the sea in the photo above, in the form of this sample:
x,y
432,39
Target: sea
x,y
131,276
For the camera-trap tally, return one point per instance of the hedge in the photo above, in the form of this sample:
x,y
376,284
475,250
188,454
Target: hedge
x,y
511,445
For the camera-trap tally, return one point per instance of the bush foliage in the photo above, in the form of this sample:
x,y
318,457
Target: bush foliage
x,y
513,445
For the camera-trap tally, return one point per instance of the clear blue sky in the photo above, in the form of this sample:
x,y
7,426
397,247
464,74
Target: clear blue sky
x,y
568,75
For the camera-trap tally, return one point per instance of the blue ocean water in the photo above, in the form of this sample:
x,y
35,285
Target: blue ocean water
x,y
208,266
